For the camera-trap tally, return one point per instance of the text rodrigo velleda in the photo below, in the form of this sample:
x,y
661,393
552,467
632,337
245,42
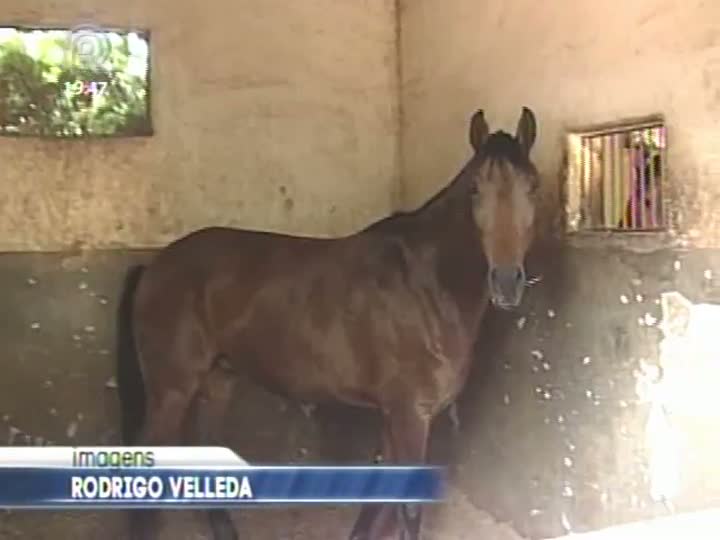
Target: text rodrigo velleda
x,y
179,487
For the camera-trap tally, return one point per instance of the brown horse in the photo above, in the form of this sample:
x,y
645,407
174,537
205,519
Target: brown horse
x,y
385,318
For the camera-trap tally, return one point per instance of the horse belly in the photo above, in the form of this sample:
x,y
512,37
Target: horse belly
x,y
305,362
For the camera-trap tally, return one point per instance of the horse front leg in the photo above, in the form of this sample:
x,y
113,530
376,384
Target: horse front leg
x,y
405,439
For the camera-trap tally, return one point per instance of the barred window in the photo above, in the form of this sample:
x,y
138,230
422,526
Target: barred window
x,y
615,178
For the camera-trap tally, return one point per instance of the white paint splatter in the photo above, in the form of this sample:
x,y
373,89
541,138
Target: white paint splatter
x,y
307,409
538,355
586,360
506,399
520,323
707,274
567,491
71,430
624,299
454,416
13,432
650,320
565,522
35,325
551,313
111,383
89,329
31,281
676,265
82,285
638,298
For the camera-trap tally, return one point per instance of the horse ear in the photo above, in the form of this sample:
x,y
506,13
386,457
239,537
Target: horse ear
x,y
526,129
478,130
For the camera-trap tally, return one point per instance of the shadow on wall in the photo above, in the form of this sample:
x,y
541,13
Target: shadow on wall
x,y
574,417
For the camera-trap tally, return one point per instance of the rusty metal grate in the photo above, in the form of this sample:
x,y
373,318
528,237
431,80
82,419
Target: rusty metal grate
x,y
615,178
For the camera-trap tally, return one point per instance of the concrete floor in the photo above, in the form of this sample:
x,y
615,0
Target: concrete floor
x,y
547,441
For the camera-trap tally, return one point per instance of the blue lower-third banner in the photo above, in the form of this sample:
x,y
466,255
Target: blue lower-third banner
x,y
81,487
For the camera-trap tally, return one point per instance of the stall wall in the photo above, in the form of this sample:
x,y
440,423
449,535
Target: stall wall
x,y
270,115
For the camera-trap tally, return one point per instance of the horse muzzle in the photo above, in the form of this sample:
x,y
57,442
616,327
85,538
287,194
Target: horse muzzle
x,y
507,285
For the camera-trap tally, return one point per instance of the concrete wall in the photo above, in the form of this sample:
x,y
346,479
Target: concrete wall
x,y
271,115
552,426
576,64
557,435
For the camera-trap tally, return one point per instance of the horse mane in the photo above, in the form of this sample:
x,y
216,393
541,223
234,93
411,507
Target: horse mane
x,y
499,147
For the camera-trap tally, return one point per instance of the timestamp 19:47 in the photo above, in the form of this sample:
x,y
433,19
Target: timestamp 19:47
x,y
86,88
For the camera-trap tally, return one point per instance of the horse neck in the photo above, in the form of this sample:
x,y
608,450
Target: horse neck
x,y
446,220
448,204
446,228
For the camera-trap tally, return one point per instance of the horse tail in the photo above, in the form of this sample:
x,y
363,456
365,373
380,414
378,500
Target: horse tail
x,y
131,389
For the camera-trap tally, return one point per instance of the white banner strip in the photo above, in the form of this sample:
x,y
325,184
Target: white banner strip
x,y
119,456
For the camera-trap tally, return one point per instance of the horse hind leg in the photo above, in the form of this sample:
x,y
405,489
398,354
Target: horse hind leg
x,y
172,377
208,414
167,409
405,439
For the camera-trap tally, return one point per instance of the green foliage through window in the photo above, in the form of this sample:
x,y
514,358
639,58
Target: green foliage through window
x,y
82,82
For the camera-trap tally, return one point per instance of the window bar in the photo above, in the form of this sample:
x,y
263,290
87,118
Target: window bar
x,y
642,158
605,159
634,179
625,182
618,207
662,146
586,195
652,181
